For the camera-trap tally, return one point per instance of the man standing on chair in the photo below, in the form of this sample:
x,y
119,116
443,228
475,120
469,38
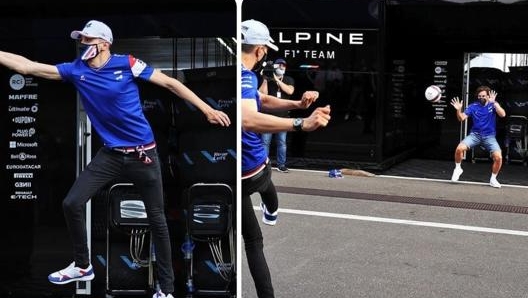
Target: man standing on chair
x,y
483,131
281,86
107,86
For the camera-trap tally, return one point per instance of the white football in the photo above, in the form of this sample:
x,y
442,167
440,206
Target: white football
x,y
433,93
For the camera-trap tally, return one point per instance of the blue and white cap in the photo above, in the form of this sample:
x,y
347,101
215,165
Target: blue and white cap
x,y
94,29
256,33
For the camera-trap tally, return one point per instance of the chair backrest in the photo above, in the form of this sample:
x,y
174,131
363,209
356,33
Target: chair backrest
x,y
126,207
209,211
517,125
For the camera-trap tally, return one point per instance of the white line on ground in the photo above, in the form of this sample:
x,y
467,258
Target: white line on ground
x,y
443,180
416,178
403,222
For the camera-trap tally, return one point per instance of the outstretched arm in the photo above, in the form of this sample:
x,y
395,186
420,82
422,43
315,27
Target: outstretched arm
x,y
272,103
498,109
457,104
25,66
176,87
253,120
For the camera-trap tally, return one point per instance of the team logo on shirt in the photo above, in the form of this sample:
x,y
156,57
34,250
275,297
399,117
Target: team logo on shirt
x,y
118,75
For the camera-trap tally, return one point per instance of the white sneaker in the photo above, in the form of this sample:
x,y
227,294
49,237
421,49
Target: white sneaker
x,y
71,273
456,174
495,183
159,294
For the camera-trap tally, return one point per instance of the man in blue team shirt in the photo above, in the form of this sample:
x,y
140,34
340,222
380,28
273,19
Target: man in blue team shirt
x,y
109,94
483,131
256,170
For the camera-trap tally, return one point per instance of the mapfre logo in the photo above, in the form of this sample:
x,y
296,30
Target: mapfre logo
x,y
32,96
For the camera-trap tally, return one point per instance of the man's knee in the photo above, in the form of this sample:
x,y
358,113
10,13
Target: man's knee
x,y
256,242
496,156
461,148
69,205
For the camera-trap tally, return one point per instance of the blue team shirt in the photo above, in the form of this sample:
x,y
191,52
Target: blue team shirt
x,y
110,97
253,151
483,118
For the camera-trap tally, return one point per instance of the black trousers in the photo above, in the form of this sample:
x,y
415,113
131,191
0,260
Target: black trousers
x,y
105,167
252,234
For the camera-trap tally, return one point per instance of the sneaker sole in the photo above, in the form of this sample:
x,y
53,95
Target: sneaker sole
x,y
84,278
455,179
269,223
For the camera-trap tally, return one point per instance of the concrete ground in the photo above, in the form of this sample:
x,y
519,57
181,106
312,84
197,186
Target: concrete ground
x,y
408,232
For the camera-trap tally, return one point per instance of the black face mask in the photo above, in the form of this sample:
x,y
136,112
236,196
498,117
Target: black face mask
x,y
88,51
260,64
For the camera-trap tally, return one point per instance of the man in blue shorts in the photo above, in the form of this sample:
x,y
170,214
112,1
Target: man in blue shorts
x,y
110,96
256,169
483,131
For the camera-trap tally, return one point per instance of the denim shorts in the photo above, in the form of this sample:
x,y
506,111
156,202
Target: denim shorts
x,y
488,142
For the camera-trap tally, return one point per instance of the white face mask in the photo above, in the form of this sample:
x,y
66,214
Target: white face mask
x,y
279,71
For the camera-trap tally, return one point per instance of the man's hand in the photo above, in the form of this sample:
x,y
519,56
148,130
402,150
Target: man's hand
x,y
456,103
218,117
492,96
308,98
319,118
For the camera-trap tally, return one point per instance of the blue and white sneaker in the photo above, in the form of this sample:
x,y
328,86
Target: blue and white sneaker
x,y
268,218
160,294
71,273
